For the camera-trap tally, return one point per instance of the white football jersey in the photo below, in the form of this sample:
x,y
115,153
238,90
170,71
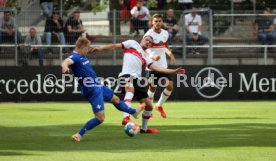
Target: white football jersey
x,y
142,13
160,41
135,59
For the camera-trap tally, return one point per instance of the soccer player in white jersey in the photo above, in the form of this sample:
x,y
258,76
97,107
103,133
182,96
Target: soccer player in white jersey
x,y
158,53
135,59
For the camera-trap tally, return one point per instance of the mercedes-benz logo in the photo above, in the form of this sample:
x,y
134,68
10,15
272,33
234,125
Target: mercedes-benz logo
x,y
206,85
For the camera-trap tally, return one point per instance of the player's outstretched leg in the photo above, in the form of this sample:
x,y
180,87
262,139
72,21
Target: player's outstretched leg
x,y
145,118
164,96
120,105
89,125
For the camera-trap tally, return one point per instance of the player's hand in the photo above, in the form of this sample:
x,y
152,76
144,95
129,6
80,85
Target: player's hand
x,y
65,70
90,50
172,59
56,21
156,57
95,49
180,71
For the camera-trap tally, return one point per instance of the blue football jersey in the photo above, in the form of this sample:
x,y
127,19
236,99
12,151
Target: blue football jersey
x,y
84,72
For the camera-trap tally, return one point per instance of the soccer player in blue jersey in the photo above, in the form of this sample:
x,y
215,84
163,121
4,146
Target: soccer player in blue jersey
x,y
95,93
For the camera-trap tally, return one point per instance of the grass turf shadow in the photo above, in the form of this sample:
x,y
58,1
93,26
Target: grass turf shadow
x,y
112,138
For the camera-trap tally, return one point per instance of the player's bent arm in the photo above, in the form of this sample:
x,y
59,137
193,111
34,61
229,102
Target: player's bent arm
x,y
168,51
65,65
170,54
108,47
165,70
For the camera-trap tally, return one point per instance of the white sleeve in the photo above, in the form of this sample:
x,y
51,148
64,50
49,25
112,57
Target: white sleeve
x,y
199,21
147,11
127,44
150,53
148,61
133,10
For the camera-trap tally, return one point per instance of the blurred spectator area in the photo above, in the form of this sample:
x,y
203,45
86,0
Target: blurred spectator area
x,y
227,30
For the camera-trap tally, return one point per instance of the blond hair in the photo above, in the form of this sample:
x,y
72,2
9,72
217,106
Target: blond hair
x,y
82,41
157,16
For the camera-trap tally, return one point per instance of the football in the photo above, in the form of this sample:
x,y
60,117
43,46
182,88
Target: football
x,y
132,129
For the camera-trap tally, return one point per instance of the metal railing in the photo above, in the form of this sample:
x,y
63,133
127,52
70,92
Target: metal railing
x,y
117,29
240,30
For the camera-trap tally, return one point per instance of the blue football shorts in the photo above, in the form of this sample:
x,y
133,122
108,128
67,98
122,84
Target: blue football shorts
x,y
97,96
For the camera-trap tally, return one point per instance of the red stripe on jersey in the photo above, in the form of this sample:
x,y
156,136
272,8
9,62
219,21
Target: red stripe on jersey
x,y
127,100
165,44
136,53
142,16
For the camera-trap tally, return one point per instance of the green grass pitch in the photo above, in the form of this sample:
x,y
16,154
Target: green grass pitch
x,y
193,131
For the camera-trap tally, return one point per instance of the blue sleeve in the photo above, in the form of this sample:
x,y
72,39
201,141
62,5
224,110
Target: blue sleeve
x,y
75,58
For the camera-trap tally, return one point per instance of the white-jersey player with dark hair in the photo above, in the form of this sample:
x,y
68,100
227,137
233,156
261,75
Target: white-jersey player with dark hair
x,y
134,61
158,53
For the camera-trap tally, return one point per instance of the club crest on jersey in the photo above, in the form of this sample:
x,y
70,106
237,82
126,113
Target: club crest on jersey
x,y
86,62
98,106
161,42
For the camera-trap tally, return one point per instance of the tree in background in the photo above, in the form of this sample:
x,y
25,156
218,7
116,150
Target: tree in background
x,y
12,4
93,5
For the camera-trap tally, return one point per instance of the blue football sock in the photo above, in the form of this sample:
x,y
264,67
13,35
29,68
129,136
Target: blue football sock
x,y
89,125
123,107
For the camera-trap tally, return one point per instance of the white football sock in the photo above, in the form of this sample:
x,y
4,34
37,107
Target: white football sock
x,y
151,95
128,100
146,116
164,96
